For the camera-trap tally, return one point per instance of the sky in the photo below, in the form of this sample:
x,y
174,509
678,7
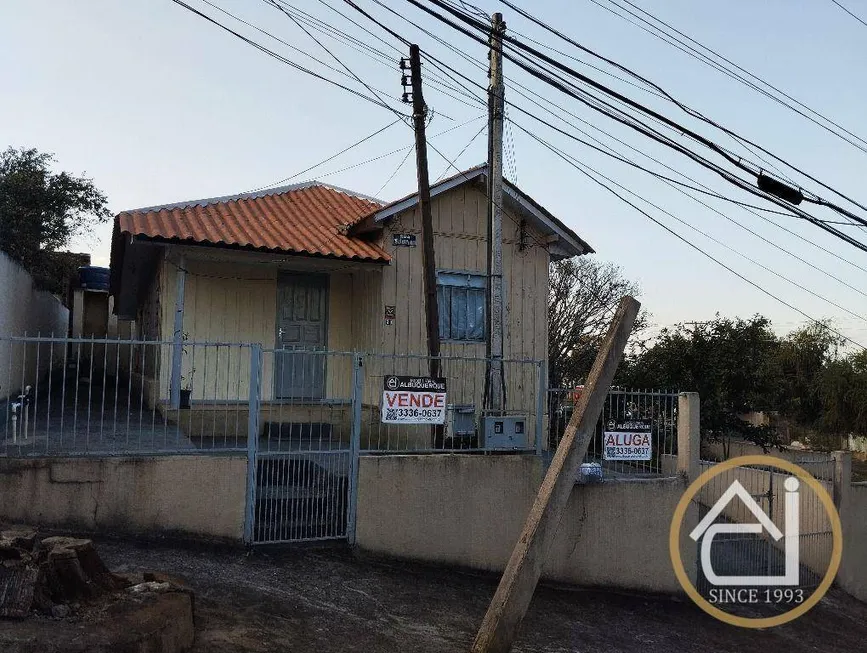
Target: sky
x,y
157,105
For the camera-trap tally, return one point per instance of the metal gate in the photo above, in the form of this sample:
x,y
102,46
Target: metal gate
x,y
303,454
758,554
303,450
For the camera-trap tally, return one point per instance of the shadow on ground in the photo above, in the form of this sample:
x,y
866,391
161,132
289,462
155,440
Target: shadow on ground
x,y
328,600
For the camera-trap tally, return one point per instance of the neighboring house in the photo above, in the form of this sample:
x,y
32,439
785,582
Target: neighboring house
x,y
316,266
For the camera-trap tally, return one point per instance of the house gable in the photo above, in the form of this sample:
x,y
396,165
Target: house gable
x,y
560,240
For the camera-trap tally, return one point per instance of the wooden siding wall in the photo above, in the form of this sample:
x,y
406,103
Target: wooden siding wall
x,y
460,236
230,302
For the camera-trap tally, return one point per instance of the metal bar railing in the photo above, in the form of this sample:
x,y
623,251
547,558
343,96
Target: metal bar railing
x,y
103,396
636,433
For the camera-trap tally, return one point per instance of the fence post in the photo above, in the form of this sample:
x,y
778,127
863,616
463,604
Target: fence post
x,y
541,402
253,438
178,336
842,480
688,435
355,443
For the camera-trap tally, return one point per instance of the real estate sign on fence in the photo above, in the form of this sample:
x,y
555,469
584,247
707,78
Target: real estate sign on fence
x,y
627,440
414,400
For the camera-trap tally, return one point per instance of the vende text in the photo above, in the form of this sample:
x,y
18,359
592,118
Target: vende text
x,y
415,399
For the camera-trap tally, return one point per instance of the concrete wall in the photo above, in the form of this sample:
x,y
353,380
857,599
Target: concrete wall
x,y
25,310
716,451
469,511
200,496
852,576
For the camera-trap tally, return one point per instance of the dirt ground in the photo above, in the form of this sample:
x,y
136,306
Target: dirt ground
x,y
327,599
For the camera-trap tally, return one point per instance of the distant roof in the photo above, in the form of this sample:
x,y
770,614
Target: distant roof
x,y
310,218
571,243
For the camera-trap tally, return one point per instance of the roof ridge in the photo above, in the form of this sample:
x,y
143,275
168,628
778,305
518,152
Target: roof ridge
x,y
256,194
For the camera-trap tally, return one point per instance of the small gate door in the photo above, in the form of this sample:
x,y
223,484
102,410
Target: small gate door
x,y
757,554
302,324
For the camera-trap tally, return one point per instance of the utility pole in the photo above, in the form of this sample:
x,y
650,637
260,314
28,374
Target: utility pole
x,y
419,113
495,384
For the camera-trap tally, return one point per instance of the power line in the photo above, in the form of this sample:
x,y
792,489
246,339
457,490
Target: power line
x,y
684,46
750,208
279,40
326,160
565,156
380,57
763,290
856,17
736,161
280,57
646,84
400,149
676,186
607,109
393,174
372,91
460,154
705,189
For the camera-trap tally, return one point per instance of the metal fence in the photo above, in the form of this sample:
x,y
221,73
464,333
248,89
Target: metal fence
x,y
758,554
301,418
659,408
88,396
468,425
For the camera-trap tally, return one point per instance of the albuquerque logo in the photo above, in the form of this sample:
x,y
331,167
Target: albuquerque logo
x,y
707,530
734,591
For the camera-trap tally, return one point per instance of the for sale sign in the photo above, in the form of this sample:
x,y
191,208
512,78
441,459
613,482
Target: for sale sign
x,y
414,400
627,440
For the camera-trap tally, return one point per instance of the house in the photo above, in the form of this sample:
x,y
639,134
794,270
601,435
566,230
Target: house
x,y
317,267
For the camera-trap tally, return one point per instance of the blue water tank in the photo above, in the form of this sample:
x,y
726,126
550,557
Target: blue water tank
x,y
93,277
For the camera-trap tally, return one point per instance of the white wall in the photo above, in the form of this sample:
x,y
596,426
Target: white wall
x,y
24,309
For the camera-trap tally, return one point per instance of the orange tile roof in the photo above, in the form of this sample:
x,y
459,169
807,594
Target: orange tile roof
x,y
310,218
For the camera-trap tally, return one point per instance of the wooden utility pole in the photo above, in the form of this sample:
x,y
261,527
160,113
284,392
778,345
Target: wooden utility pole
x,y
495,384
525,565
419,113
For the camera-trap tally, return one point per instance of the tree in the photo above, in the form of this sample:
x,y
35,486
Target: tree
x,y
42,211
729,362
843,392
583,296
799,375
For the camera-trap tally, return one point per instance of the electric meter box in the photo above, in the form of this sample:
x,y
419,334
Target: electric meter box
x,y
504,432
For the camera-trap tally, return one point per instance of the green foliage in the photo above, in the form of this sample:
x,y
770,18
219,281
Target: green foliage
x,y
41,211
739,366
843,392
799,367
725,361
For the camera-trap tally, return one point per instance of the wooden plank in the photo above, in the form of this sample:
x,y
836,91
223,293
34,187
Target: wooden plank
x,y
515,591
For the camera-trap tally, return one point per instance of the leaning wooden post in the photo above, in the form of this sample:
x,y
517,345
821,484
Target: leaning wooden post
x,y
522,573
